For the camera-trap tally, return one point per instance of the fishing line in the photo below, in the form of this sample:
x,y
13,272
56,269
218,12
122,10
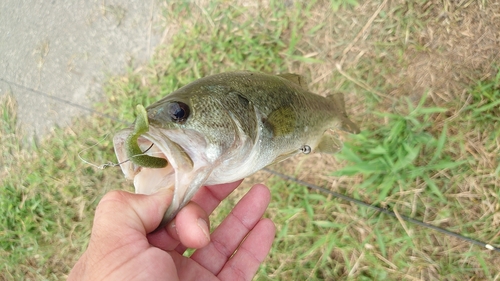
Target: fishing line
x,y
103,166
385,211
286,177
81,107
109,164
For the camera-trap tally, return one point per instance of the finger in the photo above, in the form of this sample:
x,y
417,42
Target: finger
x,y
140,212
190,227
122,217
162,239
252,252
240,267
227,237
208,198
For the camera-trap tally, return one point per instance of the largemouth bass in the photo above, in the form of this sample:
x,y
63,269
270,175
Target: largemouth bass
x,y
223,128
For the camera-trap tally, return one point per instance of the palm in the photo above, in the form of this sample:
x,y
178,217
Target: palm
x,y
121,249
216,261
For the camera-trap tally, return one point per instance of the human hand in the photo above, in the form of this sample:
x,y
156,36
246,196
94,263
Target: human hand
x,y
120,247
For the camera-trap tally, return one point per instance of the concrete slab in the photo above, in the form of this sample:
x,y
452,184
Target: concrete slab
x,y
66,49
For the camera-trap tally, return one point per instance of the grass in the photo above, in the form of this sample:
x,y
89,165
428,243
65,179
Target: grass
x,y
391,156
484,108
429,147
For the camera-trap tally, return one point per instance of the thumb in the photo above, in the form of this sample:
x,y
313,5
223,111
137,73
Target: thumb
x,y
119,209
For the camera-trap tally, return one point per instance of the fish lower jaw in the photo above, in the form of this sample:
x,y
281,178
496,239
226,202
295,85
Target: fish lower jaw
x,y
150,180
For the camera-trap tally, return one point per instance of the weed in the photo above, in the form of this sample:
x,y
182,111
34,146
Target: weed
x,y
400,152
484,107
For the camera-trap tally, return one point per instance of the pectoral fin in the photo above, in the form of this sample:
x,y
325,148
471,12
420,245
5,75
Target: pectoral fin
x,y
281,121
329,144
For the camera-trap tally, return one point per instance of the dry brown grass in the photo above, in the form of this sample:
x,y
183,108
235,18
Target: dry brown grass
x,y
459,45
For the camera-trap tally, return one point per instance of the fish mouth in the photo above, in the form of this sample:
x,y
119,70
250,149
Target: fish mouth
x,y
185,172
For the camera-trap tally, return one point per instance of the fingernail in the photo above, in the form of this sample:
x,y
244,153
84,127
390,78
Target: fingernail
x,y
202,224
173,226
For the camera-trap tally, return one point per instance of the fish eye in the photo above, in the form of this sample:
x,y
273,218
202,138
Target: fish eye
x,y
178,111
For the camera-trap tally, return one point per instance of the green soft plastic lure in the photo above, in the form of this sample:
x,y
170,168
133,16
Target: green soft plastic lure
x,y
134,152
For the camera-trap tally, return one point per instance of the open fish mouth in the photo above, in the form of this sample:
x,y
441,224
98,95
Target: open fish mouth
x,y
149,180
180,173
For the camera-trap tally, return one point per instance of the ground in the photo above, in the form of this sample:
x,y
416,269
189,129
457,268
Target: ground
x,y
66,50
421,78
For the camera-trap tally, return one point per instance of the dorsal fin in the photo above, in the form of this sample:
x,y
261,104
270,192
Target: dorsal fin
x,y
295,78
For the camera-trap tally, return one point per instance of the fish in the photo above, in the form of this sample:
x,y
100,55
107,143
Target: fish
x,y
223,128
